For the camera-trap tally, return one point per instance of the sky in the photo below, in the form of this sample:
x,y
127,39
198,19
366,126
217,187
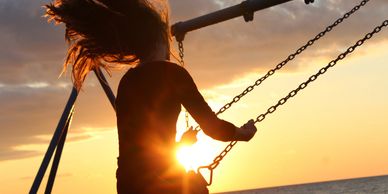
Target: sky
x,y
336,128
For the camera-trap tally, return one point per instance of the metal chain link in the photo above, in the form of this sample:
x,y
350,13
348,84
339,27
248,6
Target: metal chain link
x,y
293,93
284,62
182,62
187,119
181,53
291,57
259,81
323,70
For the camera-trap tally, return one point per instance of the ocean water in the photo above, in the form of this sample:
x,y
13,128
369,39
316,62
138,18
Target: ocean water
x,y
368,185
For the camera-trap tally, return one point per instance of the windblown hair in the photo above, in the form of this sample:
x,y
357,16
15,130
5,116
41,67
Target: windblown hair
x,y
105,33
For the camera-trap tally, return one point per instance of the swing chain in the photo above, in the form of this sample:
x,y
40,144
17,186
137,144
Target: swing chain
x,y
258,82
217,161
322,71
283,63
181,60
291,57
181,52
293,93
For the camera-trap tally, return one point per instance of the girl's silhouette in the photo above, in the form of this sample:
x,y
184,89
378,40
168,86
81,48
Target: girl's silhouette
x,y
110,33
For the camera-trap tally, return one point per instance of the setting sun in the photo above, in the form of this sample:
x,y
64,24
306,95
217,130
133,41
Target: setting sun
x,y
196,155
185,157
200,153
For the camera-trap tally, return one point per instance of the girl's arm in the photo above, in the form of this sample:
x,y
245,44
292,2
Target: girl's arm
x,y
196,105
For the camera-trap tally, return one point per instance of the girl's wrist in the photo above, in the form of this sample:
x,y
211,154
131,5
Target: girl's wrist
x,y
238,134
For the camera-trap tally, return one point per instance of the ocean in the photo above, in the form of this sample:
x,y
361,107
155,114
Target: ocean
x,y
367,185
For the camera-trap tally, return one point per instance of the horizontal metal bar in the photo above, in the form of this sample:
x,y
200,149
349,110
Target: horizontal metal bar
x,y
246,7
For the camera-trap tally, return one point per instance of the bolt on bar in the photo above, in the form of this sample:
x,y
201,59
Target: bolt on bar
x,y
245,9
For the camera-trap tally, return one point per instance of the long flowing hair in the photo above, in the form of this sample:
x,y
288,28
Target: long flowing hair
x,y
108,33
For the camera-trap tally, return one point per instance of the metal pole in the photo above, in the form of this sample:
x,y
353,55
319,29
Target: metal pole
x,y
57,156
246,9
105,85
54,141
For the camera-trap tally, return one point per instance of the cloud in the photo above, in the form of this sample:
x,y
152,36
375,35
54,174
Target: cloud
x,y
31,96
11,154
30,111
183,10
32,51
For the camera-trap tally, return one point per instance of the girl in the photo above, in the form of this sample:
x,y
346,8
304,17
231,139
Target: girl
x,y
110,33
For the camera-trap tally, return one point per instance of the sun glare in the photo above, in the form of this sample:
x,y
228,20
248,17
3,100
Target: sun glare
x,y
199,154
183,157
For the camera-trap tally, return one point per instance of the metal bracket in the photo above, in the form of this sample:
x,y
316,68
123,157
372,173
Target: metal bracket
x,y
210,176
247,12
177,32
308,1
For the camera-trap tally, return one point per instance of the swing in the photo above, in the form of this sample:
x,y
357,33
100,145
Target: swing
x,y
279,66
59,136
